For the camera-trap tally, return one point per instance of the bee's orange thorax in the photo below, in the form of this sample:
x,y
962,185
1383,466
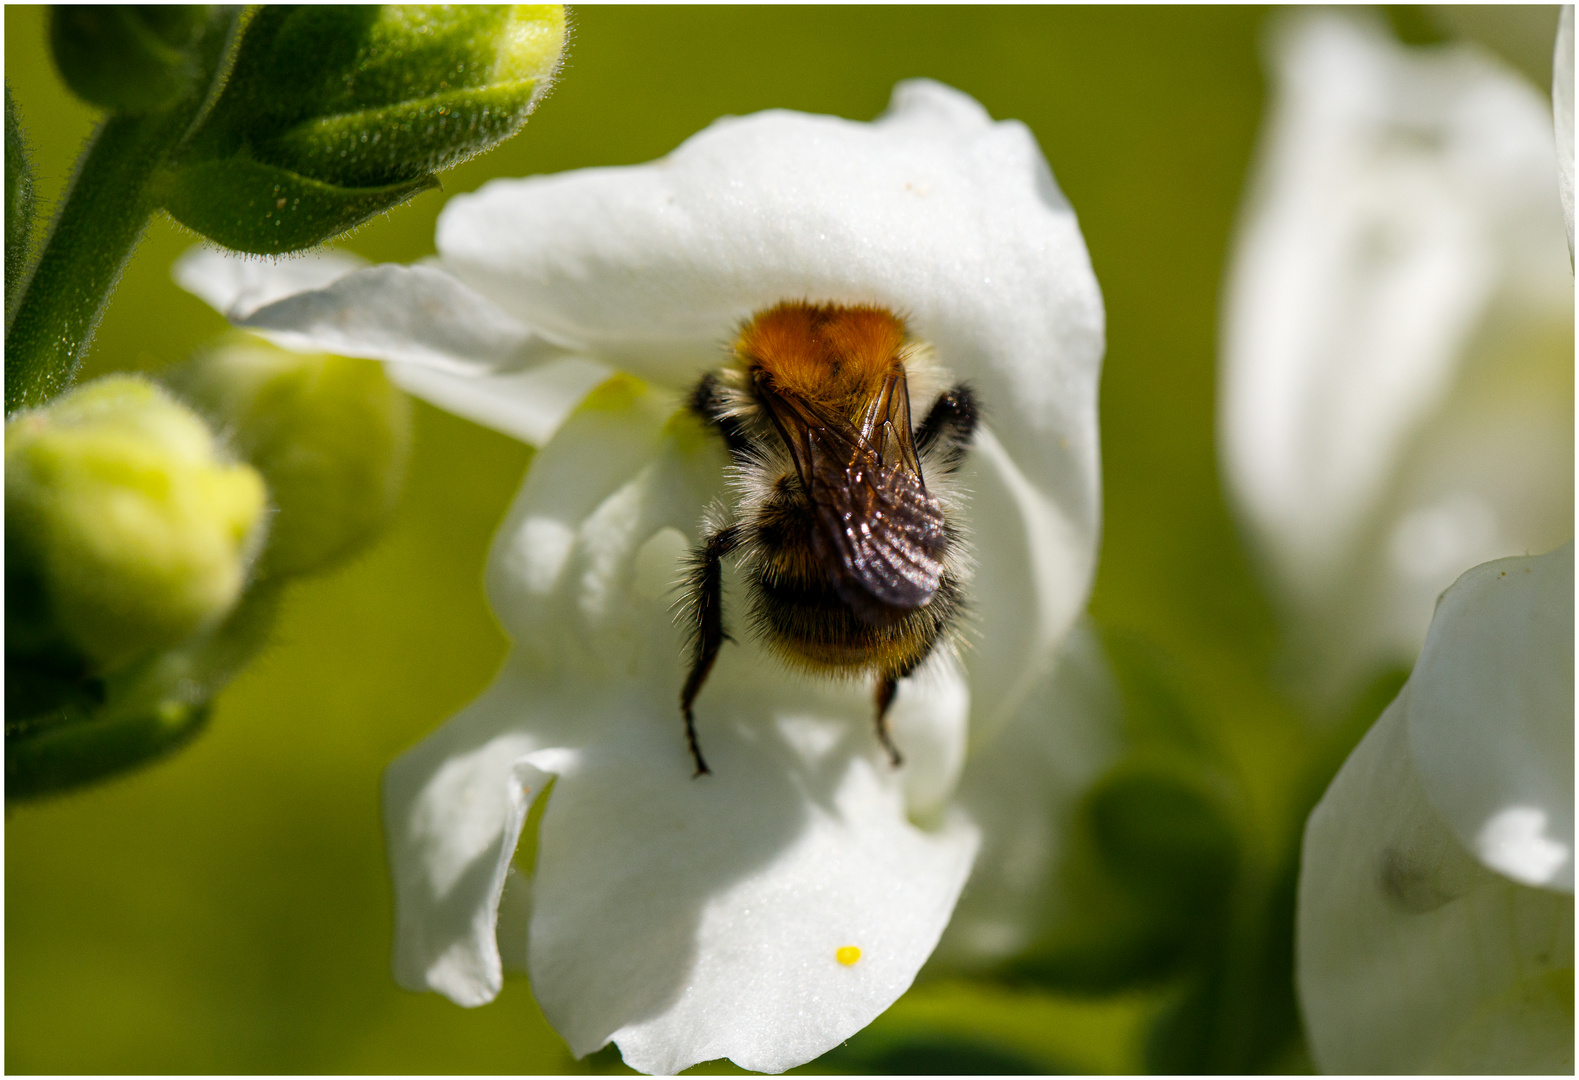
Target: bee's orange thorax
x,y
825,353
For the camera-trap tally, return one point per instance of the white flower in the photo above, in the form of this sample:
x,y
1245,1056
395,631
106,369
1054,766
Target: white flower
x,y
689,920
1563,116
1398,339
1436,915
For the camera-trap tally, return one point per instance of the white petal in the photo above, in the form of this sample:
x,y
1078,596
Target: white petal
x,y
1491,716
453,809
1563,115
566,576
527,405
691,920
933,209
1020,790
686,919
1398,336
411,314
236,285
1033,572
443,342
1412,956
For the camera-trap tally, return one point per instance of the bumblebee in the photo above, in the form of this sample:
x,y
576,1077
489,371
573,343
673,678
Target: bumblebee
x,y
854,565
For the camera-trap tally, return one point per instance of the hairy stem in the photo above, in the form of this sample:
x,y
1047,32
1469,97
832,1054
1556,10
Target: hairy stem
x,y
112,194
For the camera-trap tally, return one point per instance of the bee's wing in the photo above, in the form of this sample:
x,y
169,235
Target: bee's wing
x,y
877,531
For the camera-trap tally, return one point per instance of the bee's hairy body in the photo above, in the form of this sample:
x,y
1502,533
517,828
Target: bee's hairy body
x,y
844,518
799,614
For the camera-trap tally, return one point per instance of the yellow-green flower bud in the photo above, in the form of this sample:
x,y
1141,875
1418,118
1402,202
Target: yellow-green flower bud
x,y
335,113
329,433
127,529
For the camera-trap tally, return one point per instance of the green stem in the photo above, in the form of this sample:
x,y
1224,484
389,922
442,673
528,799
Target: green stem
x,y
112,194
105,212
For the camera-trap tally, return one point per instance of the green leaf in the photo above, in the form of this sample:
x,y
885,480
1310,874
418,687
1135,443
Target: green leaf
x,y
1166,834
71,755
267,210
128,58
18,202
1156,709
146,711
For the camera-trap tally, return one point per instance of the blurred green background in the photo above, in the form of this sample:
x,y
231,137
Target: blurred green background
x,y
228,910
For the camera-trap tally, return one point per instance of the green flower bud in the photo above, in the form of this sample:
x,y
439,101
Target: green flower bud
x,y
127,530
18,200
128,58
333,114
330,434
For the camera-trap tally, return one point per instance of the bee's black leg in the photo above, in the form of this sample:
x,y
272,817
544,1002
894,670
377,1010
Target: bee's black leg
x,y
886,686
707,401
950,423
705,601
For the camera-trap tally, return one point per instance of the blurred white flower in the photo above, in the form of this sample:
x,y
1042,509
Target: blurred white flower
x,y
1436,915
1397,367
1563,115
690,920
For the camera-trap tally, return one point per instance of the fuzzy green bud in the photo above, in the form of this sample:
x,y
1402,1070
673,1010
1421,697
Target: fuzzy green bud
x,y
127,530
330,434
127,58
335,113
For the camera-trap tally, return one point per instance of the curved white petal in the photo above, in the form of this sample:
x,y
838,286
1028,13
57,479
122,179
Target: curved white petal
x,y
237,285
441,341
1019,790
526,405
1033,573
685,919
453,809
933,209
410,314
1398,333
1491,716
1563,115
1412,957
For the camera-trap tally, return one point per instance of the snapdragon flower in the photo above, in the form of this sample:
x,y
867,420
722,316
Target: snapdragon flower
x,y
770,910
1397,371
1436,913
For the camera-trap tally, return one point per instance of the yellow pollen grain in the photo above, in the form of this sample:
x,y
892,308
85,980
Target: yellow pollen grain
x,y
847,954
